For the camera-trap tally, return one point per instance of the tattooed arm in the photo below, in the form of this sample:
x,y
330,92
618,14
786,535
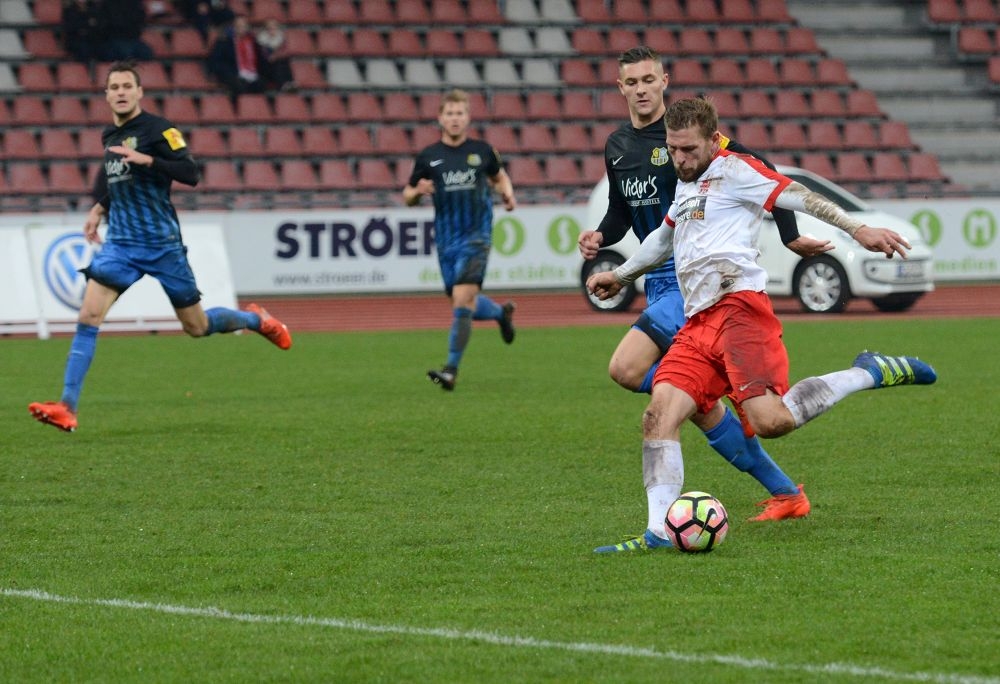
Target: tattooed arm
x,y
799,198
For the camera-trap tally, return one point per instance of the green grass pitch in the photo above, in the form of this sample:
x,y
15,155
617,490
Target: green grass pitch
x,y
229,513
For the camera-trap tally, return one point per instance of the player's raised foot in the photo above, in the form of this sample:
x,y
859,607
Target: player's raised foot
x,y
507,323
444,377
889,371
784,506
54,413
271,327
647,541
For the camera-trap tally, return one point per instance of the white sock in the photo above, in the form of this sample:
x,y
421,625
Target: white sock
x,y
663,475
813,397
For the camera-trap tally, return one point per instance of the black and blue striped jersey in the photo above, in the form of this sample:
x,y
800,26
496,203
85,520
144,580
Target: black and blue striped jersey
x,y
137,198
463,203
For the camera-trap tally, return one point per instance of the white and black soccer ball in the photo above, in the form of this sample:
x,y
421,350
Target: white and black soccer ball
x,y
696,521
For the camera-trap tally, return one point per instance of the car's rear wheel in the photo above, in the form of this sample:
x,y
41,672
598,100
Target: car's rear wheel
x,y
900,301
821,285
606,260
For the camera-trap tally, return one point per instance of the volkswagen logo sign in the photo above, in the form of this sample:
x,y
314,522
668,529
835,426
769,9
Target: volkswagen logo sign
x,y
63,261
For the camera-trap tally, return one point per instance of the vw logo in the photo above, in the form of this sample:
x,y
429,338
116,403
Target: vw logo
x,y
61,266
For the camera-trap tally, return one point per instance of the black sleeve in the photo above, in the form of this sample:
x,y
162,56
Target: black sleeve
x,y
99,193
184,170
784,219
617,219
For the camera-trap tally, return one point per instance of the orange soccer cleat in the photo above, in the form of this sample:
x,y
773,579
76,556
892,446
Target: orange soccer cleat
x,y
54,413
271,327
783,506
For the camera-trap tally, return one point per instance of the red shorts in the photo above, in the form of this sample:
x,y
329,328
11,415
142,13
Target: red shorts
x,y
732,348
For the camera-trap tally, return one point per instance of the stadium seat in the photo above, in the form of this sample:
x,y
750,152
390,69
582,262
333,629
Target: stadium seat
x,y
186,42
823,134
6,118
500,72
688,73
661,38
328,106
305,12
611,105
399,106
57,143
298,174
66,178
89,145
801,41
448,12
404,42
376,13
592,168
424,136
37,77
291,108
479,43
791,103
666,12
852,167
318,141
30,110
827,103
178,109
282,141
333,42
796,72
369,41
374,172
725,103
340,13
756,104
20,143
503,138
859,134
832,72
889,167
788,136
773,12
944,11
189,74
244,141
563,170
593,11
993,69
765,40
542,105
698,12
364,106
461,73
537,138
983,11
975,40
337,174
730,41
508,106
587,40
26,178
260,175
443,43
263,10
761,71
307,75
819,163
526,172
298,41
737,11
382,74
923,166
578,104
216,109
577,72
154,77
393,141
552,41
514,41
573,137
895,135
42,43
863,103
205,141
355,139
694,42
422,71
221,176
754,135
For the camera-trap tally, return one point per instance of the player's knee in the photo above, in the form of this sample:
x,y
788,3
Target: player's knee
x,y
625,376
771,423
195,329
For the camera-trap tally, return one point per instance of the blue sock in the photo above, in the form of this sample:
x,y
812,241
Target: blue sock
x,y
222,320
486,309
81,353
747,454
461,330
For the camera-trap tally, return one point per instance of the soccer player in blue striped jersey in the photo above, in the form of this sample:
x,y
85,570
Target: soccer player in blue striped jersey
x,y
461,174
143,155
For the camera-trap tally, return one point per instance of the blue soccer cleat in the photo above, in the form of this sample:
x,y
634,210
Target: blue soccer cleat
x,y
646,542
889,371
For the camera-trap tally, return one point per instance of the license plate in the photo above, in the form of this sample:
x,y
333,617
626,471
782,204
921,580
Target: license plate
x,y
910,269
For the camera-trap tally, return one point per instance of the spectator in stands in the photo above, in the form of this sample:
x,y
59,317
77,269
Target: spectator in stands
x,y
79,29
459,174
205,15
237,60
143,155
278,68
121,23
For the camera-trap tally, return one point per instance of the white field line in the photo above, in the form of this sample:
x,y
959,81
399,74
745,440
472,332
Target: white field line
x,y
739,662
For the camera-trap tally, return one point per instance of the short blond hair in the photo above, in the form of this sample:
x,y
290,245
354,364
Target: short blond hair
x,y
454,95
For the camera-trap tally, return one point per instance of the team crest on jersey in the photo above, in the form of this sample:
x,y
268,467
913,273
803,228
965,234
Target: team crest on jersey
x,y
474,160
131,142
174,139
659,157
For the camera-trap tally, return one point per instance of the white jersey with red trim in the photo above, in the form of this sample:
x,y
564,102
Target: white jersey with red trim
x,y
717,221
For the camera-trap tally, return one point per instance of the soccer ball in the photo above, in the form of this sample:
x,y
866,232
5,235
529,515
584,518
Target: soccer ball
x,y
696,521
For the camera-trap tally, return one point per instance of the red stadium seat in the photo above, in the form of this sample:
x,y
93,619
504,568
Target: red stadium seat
x,y
689,73
484,12
563,170
244,141
765,40
525,171
662,39
260,174
333,42
57,143
773,12
737,11
725,103
701,12
543,105
537,138
975,40
178,109
291,108
221,176
30,110
895,135
578,104
754,135
67,178
393,140
859,135
318,141
852,167
694,41
574,137
413,13
298,174
329,107
480,43
205,141
508,105
756,104
824,135
889,166
376,13
298,41
863,103
217,109
340,13
761,71
818,162
307,75
262,10
789,136
254,107
404,42
592,168
731,41
796,72
827,103
305,12
37,77
983,11
337,174
282,141
925,167
791,103
190,75
42,43
593,11
26,178
443,43
586,40
448,12
186,42
20,143
375,173
620,39
355,139
503,138
369,41
577,72
801,41
400,107
830,71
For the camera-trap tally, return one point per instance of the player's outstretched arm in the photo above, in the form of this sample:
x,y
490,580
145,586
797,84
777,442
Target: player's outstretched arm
x,y
799,198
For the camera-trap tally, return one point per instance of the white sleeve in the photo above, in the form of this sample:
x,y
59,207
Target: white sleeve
x,y
653,252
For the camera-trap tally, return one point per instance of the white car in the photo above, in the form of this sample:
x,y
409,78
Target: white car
x,y
822,284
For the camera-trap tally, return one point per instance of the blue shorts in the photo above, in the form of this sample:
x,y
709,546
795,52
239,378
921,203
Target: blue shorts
x,y
464,266
120,266
664,312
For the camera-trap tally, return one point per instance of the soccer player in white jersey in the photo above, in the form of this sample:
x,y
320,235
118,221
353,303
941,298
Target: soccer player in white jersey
x,y
732,342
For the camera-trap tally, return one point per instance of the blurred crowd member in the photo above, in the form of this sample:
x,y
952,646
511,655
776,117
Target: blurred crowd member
x,y
79,29
205,15
278,64
237,60
120,24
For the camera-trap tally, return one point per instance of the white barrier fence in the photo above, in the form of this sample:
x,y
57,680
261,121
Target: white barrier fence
x,y
371,251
